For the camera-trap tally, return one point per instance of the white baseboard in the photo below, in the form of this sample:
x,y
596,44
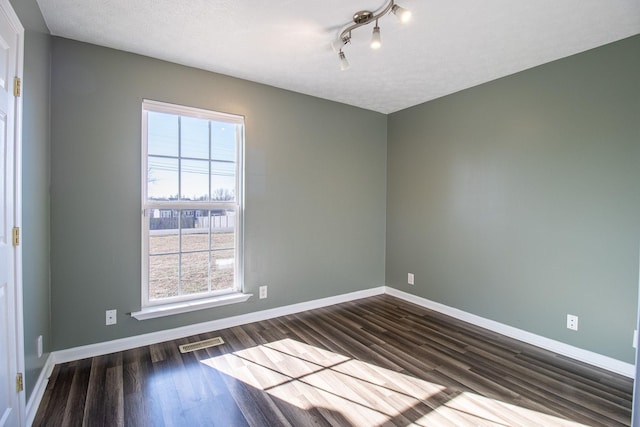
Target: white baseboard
x,y
92,350
595,359
38,390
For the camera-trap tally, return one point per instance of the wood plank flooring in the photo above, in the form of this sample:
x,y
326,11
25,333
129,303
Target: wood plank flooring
x,y
378,361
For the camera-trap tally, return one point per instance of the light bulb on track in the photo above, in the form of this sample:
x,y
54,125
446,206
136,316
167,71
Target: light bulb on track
x,y
376,41
403,14
344,64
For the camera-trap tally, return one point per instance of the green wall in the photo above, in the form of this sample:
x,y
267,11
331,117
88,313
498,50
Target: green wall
x,y
35,186
30,16
518,200
315,190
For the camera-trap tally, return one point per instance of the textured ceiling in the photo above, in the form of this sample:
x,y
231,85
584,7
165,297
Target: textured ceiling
x,y
448,45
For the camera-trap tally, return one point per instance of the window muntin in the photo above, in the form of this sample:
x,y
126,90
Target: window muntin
x,y
192,212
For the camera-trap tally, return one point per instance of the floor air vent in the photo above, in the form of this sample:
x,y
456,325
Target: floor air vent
x,y
186,348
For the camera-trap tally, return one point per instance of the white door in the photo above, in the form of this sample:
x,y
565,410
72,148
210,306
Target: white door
x,y
11,399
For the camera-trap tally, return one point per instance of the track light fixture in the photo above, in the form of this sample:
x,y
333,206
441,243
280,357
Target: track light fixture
x,y
365,17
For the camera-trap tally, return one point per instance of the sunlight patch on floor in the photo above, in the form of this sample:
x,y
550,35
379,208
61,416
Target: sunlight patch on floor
x,y
346,389
494,412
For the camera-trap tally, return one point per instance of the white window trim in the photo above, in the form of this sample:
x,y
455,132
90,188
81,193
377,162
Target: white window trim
x,y
183,304
162,310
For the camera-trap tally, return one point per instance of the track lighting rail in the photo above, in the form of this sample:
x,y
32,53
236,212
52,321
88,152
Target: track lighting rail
x,y
365,17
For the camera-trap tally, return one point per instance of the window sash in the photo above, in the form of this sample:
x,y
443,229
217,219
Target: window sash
x,y
236,205
181,252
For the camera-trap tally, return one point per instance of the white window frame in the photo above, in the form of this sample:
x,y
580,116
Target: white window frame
x,y
186,303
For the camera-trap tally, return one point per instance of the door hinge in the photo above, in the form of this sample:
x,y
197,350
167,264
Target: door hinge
x,y
16,86
19,383
16,236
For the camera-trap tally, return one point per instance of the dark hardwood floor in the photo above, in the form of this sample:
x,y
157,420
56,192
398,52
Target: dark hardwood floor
x,y
374,362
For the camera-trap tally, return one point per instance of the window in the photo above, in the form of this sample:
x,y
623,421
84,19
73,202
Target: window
x,y
191,205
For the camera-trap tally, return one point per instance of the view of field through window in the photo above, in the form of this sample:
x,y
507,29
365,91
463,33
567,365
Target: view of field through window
x,y
185,261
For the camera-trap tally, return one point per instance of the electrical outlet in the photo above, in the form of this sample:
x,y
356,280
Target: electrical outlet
x,y
263,292
635,339
111,317
410,278
39,345
572,322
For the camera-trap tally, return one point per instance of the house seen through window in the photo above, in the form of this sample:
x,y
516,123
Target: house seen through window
x,y
192,210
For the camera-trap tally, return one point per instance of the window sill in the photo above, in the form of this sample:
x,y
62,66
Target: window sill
x,y
187,306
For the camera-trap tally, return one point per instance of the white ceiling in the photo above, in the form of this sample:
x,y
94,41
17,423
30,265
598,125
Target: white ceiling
x,y
448,46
